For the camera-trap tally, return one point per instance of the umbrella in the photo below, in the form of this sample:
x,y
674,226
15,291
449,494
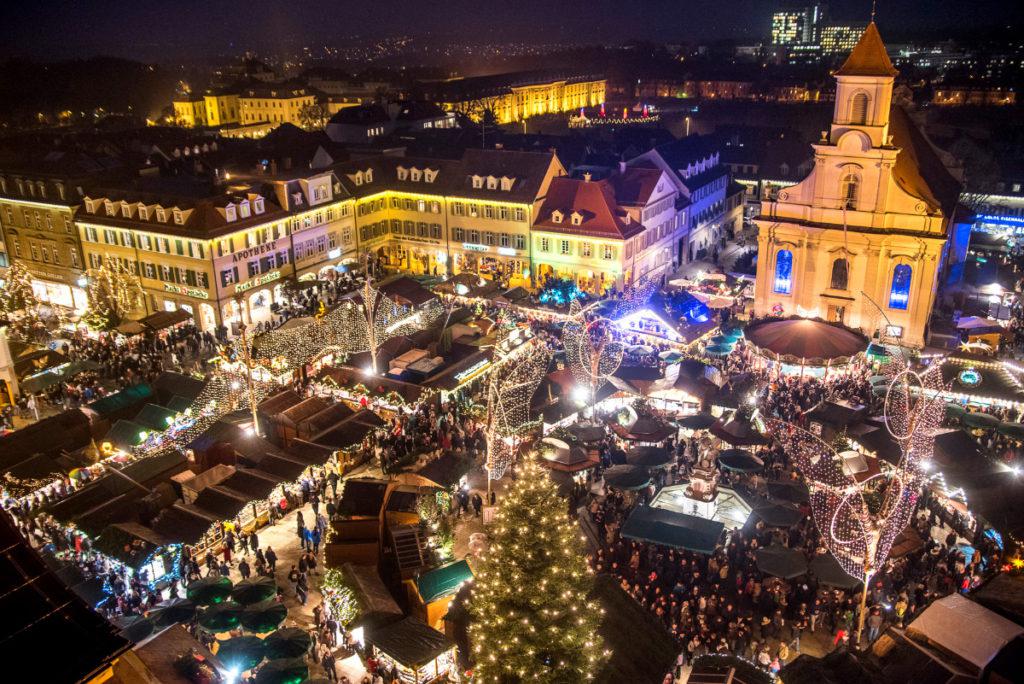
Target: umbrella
x,y
696,421
978,420
283,671
626,477
1012,430
134,628
649,457
828,571
287,642
670,356
788,490
241,653
254,590
740,460
778,515
264,616
719,349
173,611
781,562
721,339
209,590
221,617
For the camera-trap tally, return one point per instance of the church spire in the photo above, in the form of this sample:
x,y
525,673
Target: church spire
x,y
869,57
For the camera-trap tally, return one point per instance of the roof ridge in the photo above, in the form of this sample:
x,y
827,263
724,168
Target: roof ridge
x,y
869,57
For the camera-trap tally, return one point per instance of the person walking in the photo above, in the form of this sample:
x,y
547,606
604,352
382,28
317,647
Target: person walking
x,y
271,560
243,568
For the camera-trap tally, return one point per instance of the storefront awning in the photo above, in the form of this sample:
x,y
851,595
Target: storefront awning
x,y
409,641
165,319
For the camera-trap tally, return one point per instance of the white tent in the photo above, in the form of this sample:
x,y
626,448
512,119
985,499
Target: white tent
x,y
944,623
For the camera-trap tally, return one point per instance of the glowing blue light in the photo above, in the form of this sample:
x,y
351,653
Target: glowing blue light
x,y
783,272
899,295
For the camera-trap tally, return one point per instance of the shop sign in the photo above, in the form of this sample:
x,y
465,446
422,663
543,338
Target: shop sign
x,y
259,250
506,251
256,282
187,291
471,247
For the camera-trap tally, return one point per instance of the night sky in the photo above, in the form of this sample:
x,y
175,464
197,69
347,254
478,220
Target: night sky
x,y
171,29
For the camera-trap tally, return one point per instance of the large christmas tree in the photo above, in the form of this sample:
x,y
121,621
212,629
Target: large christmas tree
x,y
19,308
532,621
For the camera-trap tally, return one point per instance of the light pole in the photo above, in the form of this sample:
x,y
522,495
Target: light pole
x,y
249,386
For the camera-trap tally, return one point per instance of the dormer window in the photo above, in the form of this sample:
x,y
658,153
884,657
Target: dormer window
x,y
161,215
109,206
369,175
576,218
478,182
258,205
143,212
557,216
230,212
492,183
42,189
243,208
179,219
416,175
402,172
126,210
506,183
430,175
357,178
297,198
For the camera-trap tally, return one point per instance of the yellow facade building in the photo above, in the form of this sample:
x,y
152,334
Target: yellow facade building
x,y
273,103
222,254
519,96
37,215
861,240
451,216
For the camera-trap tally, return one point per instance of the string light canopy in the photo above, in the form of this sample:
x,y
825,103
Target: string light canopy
x,y
511,385
860,521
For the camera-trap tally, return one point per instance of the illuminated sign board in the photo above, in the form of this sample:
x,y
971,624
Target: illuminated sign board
x,y
262,280
187,291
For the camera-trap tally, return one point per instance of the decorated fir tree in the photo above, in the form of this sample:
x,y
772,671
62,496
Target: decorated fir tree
x,y
114,292
532,621
19,308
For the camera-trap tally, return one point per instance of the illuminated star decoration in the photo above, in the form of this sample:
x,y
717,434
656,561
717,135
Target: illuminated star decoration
x,y
860,521
511,385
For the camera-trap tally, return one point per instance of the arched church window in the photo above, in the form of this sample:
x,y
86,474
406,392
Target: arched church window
x,y
859,108
783,272
840,274
848,191
899,294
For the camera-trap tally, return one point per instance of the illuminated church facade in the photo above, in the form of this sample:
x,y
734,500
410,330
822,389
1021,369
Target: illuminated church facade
x,y
862,240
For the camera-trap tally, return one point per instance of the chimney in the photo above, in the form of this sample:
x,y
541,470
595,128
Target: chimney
x,y
273,167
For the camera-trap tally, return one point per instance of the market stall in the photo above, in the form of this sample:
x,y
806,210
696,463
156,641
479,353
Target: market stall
x,y
803,345
421,654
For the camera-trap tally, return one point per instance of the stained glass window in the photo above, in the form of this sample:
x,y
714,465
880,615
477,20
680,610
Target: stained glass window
x,y
783,272
899,295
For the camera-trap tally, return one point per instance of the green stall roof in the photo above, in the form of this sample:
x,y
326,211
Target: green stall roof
x,y
443,581
155,417
123,399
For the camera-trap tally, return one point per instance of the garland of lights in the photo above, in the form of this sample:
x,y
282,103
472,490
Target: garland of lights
x,y
859,521
510,388
19,306
113,293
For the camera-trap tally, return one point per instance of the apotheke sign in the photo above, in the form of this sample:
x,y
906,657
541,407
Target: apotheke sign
x,y
187,291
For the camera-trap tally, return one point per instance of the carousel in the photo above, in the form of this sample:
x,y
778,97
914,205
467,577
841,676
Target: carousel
x,y
798,346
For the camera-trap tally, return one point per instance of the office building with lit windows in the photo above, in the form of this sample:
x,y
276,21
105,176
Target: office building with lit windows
x,y
798,25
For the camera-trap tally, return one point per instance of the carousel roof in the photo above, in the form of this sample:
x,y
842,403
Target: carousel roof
x,y
805,339
644,429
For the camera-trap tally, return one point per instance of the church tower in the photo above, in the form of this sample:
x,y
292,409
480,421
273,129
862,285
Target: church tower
x,y
862,238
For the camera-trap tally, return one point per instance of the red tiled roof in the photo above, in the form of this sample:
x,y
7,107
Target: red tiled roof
x,y
594,201
869,57
636,184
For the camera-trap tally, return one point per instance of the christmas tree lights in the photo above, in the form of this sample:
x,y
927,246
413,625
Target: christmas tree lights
x,y
114,292
532,621
19,306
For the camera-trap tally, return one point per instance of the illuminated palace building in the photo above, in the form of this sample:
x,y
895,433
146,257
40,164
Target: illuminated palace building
x,y
863,239
518,96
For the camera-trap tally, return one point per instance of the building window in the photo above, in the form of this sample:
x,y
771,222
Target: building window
x,y
520,242
459,234
840,274
899,295
545,245
609,253
564,247
586,250
848,191
859,109
783,272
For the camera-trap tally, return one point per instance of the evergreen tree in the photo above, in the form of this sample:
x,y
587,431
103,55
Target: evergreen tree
x,y
532,621
114,292
19,307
